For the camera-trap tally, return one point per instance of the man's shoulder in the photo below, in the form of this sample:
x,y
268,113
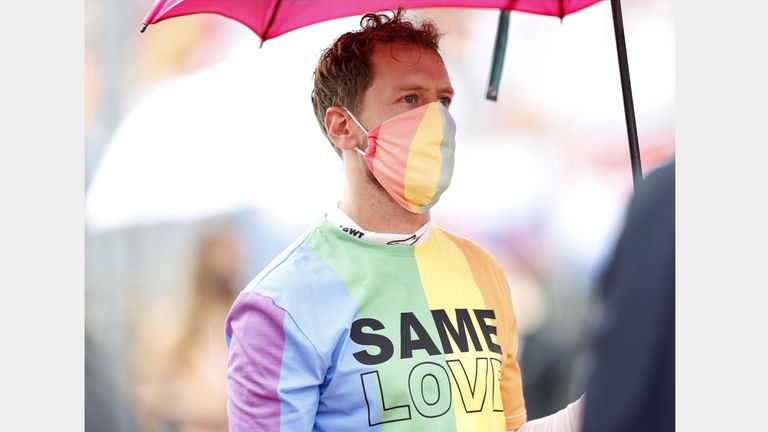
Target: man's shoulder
x,y
470,248
286,268
301,277
301,286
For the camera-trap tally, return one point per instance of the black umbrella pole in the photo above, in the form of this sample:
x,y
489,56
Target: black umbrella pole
x,y
626,90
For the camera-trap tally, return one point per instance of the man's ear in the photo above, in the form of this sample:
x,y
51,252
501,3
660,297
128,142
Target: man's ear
x,y
343,133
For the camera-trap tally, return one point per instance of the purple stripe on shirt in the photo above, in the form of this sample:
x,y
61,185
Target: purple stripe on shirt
x,y
255,326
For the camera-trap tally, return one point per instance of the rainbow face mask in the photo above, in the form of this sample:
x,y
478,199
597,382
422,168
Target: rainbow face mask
x,y
412,155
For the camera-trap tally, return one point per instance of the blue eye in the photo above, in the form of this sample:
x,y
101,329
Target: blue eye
x,y
409,99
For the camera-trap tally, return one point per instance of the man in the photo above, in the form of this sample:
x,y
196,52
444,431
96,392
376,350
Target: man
x,y
375,319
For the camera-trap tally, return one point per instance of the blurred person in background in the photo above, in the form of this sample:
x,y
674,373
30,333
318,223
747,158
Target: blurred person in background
x,y
631,386
180,359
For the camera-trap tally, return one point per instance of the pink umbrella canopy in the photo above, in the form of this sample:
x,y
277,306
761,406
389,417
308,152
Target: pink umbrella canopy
x,y
272,18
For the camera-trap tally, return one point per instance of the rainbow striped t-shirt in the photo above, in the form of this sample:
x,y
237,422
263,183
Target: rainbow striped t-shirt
x,y
341,334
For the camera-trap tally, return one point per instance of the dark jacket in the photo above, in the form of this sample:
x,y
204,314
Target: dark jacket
x,y
631,386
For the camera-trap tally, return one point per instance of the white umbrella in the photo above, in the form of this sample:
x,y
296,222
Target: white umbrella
x,y
234,135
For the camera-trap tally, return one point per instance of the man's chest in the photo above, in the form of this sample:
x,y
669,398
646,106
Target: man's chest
x,y
406,359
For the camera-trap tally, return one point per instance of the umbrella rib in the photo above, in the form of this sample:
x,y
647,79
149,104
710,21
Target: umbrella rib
x,y
271,20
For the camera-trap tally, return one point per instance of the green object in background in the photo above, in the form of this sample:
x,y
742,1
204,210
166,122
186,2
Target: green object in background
x,y
498,55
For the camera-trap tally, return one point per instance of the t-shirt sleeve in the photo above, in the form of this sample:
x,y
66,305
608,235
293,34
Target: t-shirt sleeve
x,y
274,371
511,384
511,380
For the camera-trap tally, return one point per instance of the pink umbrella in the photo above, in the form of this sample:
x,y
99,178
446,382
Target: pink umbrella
x,y
272,18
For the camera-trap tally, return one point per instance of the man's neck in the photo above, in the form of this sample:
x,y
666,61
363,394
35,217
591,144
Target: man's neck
x,y
382,215
370,206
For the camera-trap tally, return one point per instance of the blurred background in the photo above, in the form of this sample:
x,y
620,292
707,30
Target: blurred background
x,y
204,160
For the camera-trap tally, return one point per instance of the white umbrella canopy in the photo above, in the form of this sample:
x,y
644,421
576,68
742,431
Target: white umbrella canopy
x,y
234,135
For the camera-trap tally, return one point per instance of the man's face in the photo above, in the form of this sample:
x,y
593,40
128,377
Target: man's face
x,y
404,77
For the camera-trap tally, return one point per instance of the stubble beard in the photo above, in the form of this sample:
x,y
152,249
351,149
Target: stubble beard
x,y
372,178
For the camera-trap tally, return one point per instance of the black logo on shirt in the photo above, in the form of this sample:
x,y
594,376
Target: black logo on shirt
x,y
353,232
410,240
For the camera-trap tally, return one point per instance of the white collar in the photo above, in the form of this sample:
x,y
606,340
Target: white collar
x,y
345,223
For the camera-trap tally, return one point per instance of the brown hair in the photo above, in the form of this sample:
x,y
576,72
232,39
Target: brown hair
x,y
343,73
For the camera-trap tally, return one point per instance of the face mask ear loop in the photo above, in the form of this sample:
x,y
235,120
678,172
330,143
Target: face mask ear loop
x,y
355,120
358,124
